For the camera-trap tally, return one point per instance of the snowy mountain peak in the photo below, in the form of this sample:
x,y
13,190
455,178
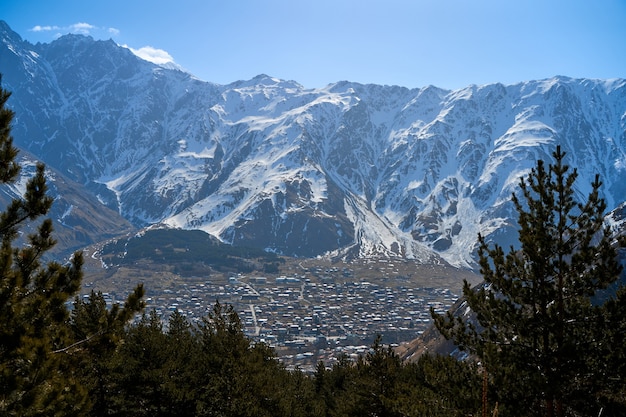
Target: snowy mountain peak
x,y
346,170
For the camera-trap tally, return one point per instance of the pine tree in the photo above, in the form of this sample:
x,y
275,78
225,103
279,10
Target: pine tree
x,y
609,359
182,350
378,372
32,298
138,370
226,354
439,386
534,319
96,333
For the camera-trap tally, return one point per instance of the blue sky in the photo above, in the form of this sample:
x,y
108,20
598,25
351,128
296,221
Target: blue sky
x,y
413,43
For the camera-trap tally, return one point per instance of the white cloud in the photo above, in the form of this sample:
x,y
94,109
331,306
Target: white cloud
x,y
81,28
154,55
44,28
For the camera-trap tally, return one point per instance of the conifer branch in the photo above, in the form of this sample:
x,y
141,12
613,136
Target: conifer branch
x,y
80,342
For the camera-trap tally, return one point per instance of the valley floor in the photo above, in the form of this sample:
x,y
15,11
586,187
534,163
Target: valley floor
x,y
311,310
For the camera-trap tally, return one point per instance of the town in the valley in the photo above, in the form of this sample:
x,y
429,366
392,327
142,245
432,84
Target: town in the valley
x,y
316,312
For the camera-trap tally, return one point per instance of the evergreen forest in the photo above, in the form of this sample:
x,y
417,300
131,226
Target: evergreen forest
x,y
543,336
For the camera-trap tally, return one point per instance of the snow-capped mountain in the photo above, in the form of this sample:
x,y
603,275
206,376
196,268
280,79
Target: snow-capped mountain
x,y
347,170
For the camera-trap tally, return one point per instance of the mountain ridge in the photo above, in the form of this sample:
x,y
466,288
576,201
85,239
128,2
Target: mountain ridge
x,y
348,170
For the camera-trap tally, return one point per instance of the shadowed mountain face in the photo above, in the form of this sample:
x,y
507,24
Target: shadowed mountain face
x,y
79,218
352,170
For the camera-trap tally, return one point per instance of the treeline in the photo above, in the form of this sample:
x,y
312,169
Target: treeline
x,y
173,367
212,369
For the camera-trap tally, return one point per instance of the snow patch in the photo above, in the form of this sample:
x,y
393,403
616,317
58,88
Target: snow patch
x,y
67,212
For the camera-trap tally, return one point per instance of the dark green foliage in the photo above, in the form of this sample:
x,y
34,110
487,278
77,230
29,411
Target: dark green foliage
x,y
536,328
97,331
184,248
152,370
9,168
609,359
378,372
239,378
212,369
439,386
379,384
205,370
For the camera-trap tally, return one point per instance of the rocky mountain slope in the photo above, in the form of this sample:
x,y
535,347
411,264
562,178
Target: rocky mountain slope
x,y
349,170
79,217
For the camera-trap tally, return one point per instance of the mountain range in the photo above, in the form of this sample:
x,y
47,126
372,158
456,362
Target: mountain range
x,y
348,170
